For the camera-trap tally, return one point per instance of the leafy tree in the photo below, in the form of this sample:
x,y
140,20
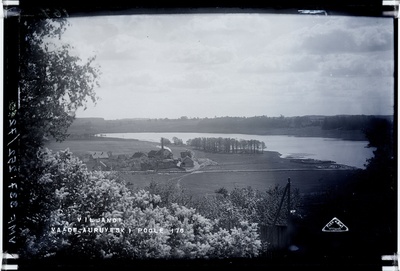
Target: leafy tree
x,y
223,191
247,204
381,166
227,145
170,193
379,180
165,141
380,136
177,141
53,84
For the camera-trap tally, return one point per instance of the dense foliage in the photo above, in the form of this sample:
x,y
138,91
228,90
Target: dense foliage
x,y
53,84
76,195
227,145
261,207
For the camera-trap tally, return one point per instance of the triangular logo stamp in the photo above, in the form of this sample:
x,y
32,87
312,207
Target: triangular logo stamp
x,y
335,225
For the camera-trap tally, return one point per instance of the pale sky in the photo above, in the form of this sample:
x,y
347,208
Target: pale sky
x,y
206,65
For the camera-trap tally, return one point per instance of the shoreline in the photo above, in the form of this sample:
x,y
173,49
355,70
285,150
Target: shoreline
x,y
129,146
259,171
345,135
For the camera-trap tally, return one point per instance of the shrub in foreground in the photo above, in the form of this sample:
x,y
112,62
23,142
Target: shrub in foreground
x,y
94,215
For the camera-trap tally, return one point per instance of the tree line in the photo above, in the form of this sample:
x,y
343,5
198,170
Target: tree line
x,y
357,122
299,125
226,145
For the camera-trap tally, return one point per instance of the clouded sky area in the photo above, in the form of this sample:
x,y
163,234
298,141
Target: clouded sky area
x,y
206,65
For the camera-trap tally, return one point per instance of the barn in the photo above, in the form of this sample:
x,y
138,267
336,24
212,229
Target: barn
x,y
161,154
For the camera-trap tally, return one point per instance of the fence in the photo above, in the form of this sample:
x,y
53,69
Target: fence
x,y
276,236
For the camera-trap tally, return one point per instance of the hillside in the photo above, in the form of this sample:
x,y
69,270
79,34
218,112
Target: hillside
x,y
344,126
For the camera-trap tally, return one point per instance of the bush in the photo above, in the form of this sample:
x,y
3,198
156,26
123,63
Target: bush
x,y
247,204
129,225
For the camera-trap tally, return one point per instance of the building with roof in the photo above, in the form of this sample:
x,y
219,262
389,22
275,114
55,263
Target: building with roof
x,y
187,162
161,154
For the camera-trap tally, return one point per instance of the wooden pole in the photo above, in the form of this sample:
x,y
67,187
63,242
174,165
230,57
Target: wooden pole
x,y
280,205
288,200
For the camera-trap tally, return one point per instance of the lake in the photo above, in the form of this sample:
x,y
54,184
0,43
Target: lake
x,y
346,152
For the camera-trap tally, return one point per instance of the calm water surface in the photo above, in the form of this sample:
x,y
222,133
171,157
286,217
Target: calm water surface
x,y
347,152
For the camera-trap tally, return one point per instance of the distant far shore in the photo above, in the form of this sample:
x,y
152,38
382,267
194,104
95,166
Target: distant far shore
x,y
347,127
298,132
355,135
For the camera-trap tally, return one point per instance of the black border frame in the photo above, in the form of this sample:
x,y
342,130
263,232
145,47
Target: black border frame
x,y
370,8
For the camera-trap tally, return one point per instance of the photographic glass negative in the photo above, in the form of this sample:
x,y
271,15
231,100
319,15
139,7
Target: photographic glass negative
x,y
215,138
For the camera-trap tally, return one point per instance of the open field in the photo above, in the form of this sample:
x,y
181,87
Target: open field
x,y
305,181
201,183
115,145
260,171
